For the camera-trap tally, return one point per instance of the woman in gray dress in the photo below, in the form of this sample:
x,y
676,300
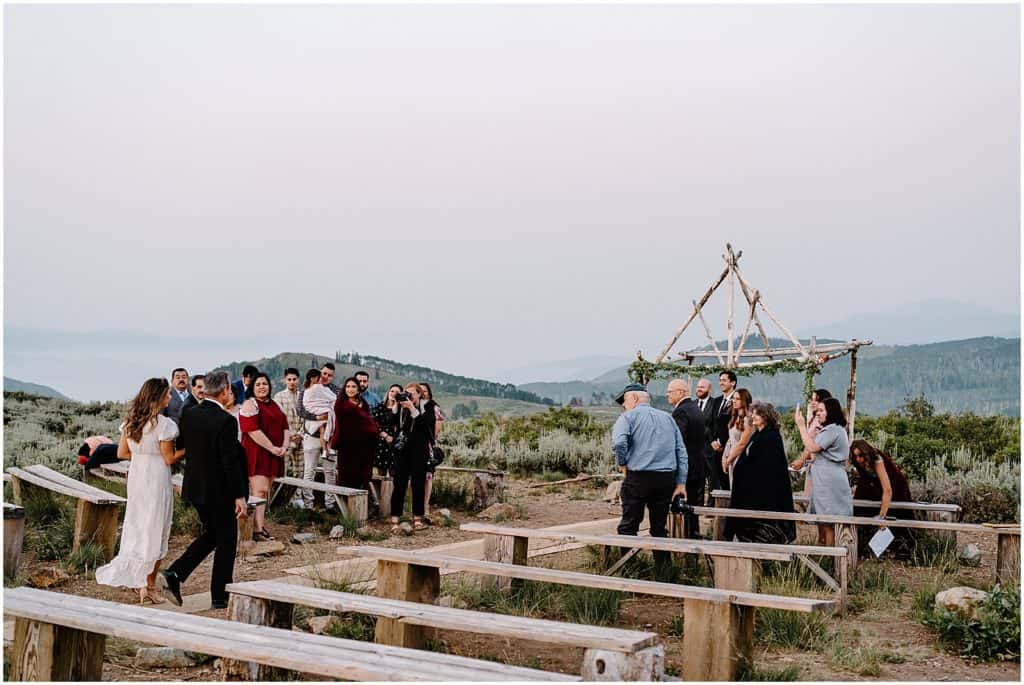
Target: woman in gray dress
x,y
828,451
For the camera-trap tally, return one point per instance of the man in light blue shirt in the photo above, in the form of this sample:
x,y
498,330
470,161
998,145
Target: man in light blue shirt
x,y
649,447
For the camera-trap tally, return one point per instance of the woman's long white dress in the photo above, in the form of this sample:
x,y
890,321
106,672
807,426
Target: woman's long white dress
x,y
147,516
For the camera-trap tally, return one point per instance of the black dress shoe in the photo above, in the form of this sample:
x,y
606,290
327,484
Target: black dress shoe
x,y
219,604
169,586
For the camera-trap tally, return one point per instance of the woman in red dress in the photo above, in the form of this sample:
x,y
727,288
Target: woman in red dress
x,y
355,437
265,439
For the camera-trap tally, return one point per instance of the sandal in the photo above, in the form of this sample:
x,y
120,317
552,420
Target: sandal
x,y
150,594
418,525
396,528
261,536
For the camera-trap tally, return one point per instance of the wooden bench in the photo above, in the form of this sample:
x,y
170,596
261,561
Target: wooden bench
x,y
927,510
60,637
611,654
14,537
1008,536
118,472
718,630
96,515
736,565
351,502
488,484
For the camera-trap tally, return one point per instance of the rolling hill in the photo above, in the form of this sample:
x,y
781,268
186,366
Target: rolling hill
x,y
14,385
980,375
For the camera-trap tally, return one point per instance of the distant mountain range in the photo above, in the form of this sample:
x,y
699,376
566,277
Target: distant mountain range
x,y
14,385
980,375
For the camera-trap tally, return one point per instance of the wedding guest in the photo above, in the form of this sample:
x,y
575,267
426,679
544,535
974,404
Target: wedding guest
x,y
690,420
828,451
428,396
241,386
720,429
355,437
326,457
147,439
760,481
813,426
709,408
96,450
266,440
288,400
880,480
195,396
215,484
372,398
386,416
179,394
740,429
416,430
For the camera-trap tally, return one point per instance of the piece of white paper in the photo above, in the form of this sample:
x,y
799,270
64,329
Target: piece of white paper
x,y
880,541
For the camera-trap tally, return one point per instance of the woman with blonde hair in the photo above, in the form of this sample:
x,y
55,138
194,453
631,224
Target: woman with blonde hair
x,y
147,440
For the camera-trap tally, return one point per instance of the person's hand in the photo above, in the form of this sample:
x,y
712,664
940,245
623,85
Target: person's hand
x,y
297,439
680,490
408,405
241,508
798,416
882,525
321,417
716,446
725,464
797,465
388,439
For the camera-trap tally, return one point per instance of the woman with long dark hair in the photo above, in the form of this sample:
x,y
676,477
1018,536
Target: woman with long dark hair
x,y
355,437
828,452
740,429
879,479
439,418
147,440
813,426
265,439
417,423
760,482
386,416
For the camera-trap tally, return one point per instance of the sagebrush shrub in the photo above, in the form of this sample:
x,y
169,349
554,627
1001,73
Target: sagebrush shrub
x,y
994,633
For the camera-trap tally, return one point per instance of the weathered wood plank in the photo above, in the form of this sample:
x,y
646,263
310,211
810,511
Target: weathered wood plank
x,y
1008,559
718,640
96,523
586,580
411,583
90,492
47,652
40,482
14,538
259,612
725,495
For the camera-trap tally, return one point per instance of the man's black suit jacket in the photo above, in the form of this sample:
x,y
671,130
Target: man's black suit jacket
x,y
690,420
722,412
215,467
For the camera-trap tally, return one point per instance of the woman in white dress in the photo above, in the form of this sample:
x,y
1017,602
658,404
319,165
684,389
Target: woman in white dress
x,y
147,439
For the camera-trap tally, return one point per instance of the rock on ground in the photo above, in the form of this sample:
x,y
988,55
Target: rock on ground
x,y
406,528
496,510
303,538
970,554
319,624
162,657
267,548
611,493
337,533
47,577
963,600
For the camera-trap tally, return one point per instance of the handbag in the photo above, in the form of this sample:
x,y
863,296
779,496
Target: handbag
x,y
436,457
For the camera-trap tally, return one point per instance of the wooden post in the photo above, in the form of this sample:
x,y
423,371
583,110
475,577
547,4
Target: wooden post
x,y
711,338
412,583
260,612
718,640
718,522
846,536
386,487
14,537
245,530
47,652
96,523
851,395
736,573
693,315
503,549
729,361
604,665
1008,558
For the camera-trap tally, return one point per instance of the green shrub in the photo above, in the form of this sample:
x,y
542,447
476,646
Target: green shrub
x,y
590,606
754,674
49,525
87,558
988,492
993,634
874,586
353,627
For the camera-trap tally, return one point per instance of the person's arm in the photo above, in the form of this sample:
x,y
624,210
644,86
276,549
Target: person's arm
x,y
883,478
123,452
682,465
247,419
741,444
809,444
167,452
620,440
300,409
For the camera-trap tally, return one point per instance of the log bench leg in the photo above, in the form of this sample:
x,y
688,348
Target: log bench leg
x,y
261,612
14,539
602,665
96,523
718,522
354,506
245,530
47,652
1008,559
385,488
718,640
504,549
736,573
846,536
411,583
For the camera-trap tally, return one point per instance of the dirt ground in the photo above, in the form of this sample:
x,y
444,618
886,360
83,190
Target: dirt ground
x,y
911,652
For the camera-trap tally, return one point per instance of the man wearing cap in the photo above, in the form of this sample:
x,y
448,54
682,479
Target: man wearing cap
x,y
649,447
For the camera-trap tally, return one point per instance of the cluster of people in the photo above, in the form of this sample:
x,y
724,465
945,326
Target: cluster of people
x,y
732,442
235,440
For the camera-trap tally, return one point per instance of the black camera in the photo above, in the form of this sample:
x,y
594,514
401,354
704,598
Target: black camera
x,y
679,506
402,397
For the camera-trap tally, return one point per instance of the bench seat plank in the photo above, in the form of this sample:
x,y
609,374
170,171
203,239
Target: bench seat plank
x,y
303,652
464,469
746,550
98,493
455,564
78,491
432,616
325,487
849,520
910,506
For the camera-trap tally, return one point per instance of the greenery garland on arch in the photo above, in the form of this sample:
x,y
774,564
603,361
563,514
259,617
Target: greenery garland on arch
x,y
643,371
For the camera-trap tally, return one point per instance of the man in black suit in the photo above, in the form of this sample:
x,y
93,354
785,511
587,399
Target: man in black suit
x,y
179,395
720,434
708,406
240,386
690,420
216,484
196,395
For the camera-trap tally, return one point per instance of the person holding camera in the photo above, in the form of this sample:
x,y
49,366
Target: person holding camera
x,y
355,437
649,447
417,421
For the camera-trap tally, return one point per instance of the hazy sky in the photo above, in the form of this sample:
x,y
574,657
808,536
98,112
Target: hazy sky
x,y
477,188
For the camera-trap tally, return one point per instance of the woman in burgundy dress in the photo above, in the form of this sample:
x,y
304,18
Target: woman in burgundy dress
x,y
355,437
265,439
